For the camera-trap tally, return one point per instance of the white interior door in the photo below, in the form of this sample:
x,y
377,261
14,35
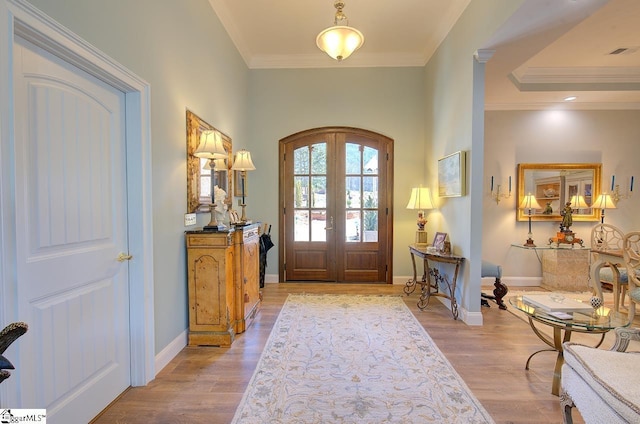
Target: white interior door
x,y
71,225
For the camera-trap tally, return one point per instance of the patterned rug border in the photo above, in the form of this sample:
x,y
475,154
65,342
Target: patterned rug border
x,y
480,416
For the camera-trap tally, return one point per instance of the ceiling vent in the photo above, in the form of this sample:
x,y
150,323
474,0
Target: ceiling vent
x,y
619,51
624,50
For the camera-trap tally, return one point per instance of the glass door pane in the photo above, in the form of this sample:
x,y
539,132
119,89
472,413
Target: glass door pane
x,y
310,190
361,182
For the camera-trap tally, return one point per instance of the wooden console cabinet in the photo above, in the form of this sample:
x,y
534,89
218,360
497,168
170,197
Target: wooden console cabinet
x,y
223,285
247,283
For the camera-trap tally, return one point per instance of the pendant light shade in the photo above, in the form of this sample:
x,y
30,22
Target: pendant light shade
x,y
339,41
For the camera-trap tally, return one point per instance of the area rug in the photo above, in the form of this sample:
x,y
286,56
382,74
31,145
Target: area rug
x,y
354,359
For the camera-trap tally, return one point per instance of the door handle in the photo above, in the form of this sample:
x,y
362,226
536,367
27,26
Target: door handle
x,y
122,257
330,228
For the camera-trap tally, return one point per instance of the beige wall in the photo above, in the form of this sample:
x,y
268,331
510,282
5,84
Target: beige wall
x,y
555,136
453,121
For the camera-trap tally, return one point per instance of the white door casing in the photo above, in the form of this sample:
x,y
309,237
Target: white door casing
x,y
20,257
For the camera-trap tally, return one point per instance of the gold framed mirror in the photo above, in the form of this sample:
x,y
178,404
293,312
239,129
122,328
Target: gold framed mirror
x,y
555,184
198,176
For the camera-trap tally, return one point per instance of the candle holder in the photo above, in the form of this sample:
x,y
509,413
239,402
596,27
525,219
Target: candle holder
x,y
498,194
615,189
616,196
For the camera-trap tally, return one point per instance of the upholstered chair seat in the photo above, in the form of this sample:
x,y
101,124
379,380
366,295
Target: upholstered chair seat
x,y
602,384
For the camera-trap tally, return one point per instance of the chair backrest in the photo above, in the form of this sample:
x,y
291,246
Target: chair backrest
x,y
606,237
631,255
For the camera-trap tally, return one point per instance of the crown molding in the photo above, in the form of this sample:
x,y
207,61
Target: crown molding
x,y
321,60
577,78
562,106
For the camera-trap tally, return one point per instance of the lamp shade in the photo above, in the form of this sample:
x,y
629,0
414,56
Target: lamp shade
x,y
529,202
604,201
210,146
578,202
420,199
339,41
242,161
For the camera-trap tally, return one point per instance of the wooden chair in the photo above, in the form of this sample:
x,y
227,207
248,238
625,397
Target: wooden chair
x,y
609,237
492,270
8,335
631,255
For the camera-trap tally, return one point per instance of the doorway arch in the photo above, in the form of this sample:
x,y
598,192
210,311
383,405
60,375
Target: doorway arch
x,y
336,209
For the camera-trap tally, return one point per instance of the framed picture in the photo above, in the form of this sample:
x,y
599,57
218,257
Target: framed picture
x,y
233,217
451,175
438,240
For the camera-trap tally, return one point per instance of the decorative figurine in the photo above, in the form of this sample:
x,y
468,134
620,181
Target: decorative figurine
x,y
565,235
421,221
567,217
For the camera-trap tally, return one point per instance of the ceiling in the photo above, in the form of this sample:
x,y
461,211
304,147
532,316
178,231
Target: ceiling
x,y
546,51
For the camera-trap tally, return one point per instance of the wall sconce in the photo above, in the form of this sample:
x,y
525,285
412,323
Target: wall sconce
x,y
615,189
498,195
420,200
604,201
529,202
211,148
243,163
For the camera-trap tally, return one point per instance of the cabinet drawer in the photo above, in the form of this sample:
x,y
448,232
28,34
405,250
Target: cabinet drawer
x,y
217,240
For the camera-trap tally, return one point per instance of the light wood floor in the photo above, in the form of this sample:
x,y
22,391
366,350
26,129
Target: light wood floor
x,y
205,384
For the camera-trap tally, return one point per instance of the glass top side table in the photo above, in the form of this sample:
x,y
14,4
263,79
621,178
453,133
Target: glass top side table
x,y
600,321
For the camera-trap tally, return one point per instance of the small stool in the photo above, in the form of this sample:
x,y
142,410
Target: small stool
x,y
493,270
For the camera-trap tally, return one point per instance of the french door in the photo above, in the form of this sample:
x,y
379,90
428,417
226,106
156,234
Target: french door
x,y
336,215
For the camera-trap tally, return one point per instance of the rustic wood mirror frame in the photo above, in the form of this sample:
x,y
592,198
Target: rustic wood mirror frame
x,y
195,199
555,183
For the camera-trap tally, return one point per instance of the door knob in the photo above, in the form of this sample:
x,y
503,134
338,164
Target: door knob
x,y
122,257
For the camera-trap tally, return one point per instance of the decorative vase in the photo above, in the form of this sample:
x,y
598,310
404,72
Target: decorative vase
x,y
596,302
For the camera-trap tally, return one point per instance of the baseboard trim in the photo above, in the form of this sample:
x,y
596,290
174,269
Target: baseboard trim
x,y
171,351
515,281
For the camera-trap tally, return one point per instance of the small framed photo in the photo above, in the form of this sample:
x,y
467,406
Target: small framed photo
x,y
438,240
233,217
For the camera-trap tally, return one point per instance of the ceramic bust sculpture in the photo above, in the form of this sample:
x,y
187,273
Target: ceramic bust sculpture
x,y
221,207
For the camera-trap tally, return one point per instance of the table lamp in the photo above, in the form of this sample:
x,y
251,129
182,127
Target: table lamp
x,y
420,200
578,202
243,163
604,201
211,148
529,202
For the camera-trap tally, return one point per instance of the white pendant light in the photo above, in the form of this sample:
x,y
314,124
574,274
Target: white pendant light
x,y
339,41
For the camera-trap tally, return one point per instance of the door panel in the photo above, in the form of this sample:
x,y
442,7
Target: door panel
x,y
311,210
70,227
361,254
335,191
